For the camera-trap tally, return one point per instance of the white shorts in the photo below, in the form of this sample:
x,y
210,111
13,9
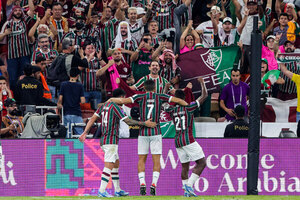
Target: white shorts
x,y
110,152
154,142
191,152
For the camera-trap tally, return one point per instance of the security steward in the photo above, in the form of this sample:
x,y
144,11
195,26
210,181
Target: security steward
x,y
239,127
30,91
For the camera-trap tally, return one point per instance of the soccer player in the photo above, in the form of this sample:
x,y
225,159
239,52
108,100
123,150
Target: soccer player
x,y
150,104
186,146
111,114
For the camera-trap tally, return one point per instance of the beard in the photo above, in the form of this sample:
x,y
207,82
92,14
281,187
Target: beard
x,y
17,16
123,33
117,59
289,50
168,61
13,112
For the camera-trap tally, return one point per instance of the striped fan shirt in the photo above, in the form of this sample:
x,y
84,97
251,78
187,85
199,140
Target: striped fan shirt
x,y
137,3
136,29
130,45
168,73
94,33
160,83
289,86
18,44
88,76
155,40
150,105
183,119
50,54
108,32
163,14
110,115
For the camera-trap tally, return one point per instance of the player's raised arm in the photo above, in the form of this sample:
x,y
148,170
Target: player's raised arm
x,y
88,127
149,123
120,100
204,94
179,101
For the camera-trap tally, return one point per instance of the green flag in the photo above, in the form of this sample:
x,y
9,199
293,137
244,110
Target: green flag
x,y
225,58
270,78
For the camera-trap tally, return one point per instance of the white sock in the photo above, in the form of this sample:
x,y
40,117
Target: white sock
x,y
155,178
192,179
115,179
104,179
184,182
142,178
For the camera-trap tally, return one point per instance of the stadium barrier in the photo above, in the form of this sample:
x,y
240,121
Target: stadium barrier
x,y
67,167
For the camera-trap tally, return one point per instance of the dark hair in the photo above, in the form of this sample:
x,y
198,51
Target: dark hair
x,y
74,72
39,59
3,78
189,35
108,7
235,70
153,21
28,70
89,41
180,94
283,14
239,111
153,62
147,34
57,4
149,85
119,92
94,13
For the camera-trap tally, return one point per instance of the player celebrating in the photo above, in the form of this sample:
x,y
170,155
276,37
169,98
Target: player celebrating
x,y
150,107
111,114
186,146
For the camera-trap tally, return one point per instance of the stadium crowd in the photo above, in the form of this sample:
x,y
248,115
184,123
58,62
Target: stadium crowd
x,y
98,46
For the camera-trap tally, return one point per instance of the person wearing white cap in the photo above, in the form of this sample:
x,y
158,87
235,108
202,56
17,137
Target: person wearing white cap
x,y
206,28
137,25
227,35
268,53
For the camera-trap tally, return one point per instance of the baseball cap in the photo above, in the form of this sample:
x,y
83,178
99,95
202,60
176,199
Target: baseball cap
x,y
227,19
265,60
140,11
9,101
271,37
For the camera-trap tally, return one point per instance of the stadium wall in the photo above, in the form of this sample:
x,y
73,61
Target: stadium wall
x,y
68,167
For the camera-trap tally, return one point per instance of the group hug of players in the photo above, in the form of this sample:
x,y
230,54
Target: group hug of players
x,y
150,105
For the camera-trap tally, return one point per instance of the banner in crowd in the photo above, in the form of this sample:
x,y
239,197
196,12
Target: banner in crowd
x,y
277,110
213,64
288,57
68,168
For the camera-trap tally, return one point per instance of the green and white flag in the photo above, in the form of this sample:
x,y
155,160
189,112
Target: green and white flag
x,y
270,78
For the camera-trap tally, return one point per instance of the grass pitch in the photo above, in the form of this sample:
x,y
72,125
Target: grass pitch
x,y
160,198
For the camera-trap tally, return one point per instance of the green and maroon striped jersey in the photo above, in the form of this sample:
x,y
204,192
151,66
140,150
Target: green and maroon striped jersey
x,y
108,32
183,119
163,14
160,83
130,45
18,45
137,3
110,115
150,105
168,73
51,54
88,76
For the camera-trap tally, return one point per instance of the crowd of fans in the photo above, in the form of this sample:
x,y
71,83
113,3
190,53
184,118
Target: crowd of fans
x,y
103,40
